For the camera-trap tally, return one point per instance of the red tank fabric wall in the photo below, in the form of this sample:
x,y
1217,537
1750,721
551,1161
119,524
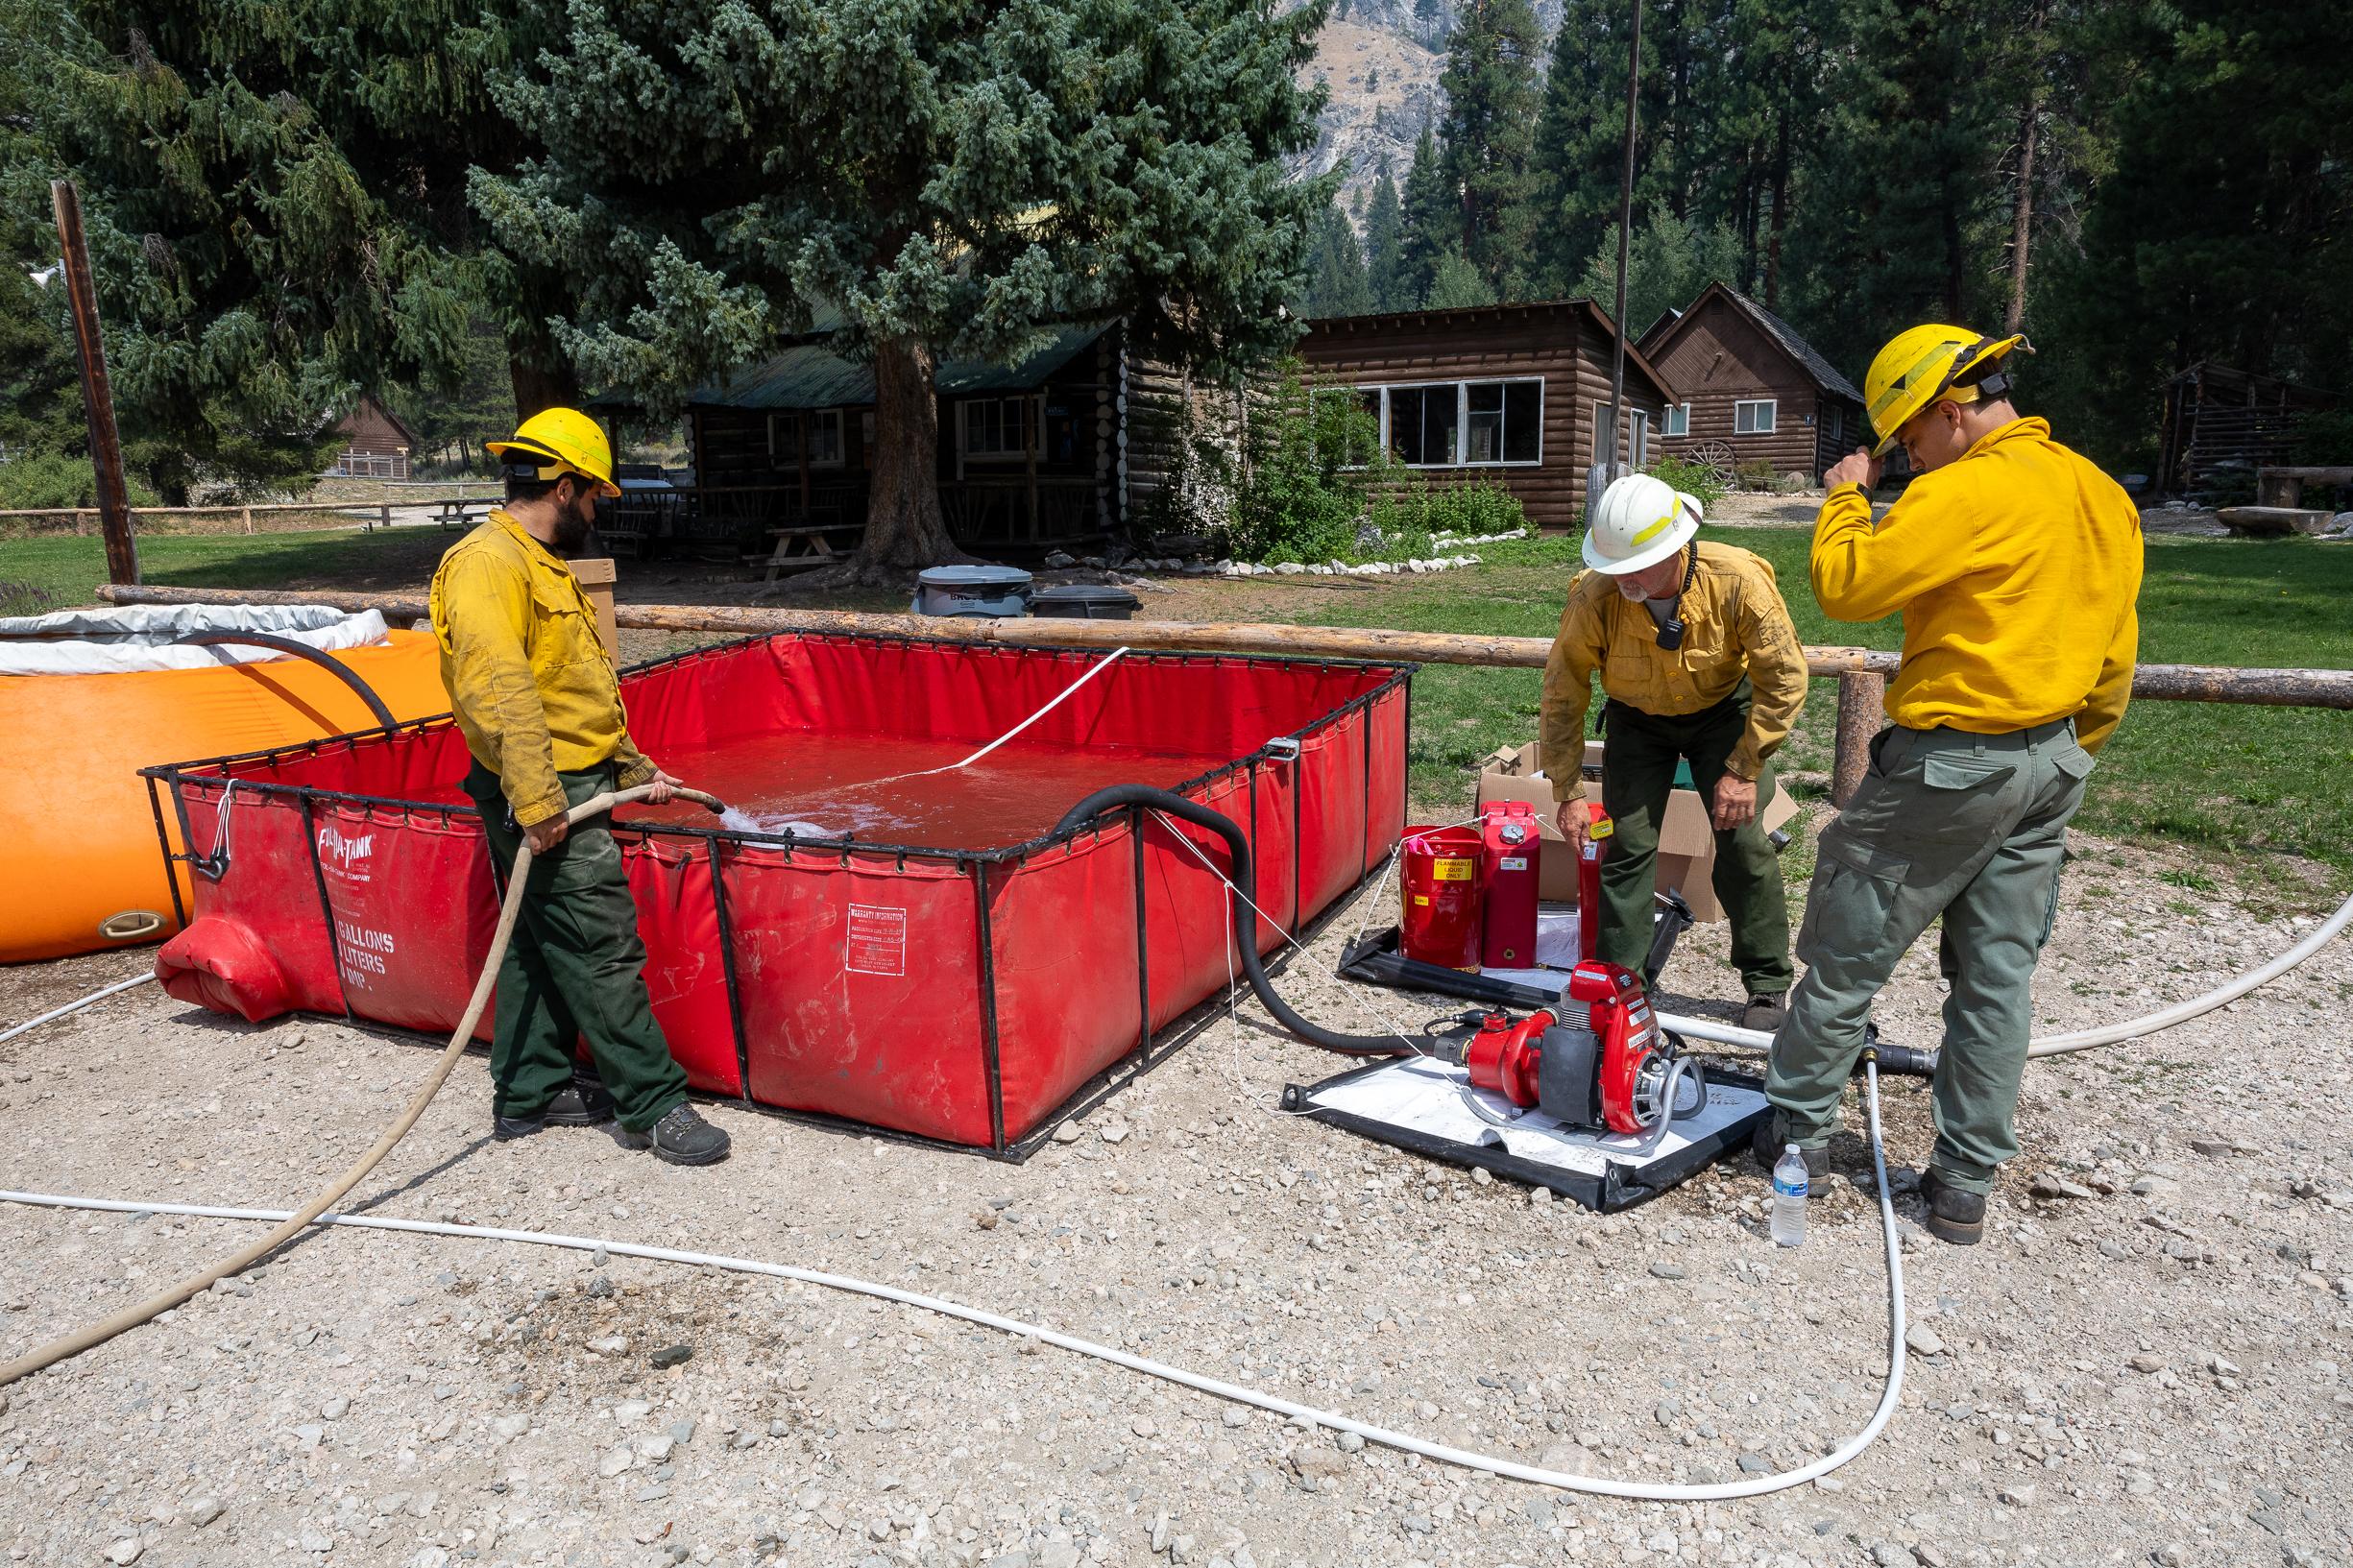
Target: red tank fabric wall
x,y
686,970
862,984
860,987
413,905
840,686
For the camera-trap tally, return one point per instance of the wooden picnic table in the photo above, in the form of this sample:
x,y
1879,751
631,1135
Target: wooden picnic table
x,y
803,545
459,511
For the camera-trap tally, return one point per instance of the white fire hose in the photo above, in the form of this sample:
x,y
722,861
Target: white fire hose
x,y
1747,1486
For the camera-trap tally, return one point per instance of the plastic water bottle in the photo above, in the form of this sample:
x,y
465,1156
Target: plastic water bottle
x,y
1789,1185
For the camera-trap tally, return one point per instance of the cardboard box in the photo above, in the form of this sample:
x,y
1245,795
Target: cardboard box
x,y
1687,843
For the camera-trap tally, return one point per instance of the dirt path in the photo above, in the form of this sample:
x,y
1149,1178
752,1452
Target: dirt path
x,y
2153,1370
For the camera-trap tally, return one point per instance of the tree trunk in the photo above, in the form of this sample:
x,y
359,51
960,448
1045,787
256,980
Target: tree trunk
x,y
1780,213
905,530
537,387
2022,218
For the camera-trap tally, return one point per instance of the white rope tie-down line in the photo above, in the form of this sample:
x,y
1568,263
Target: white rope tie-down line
x,y
1066,693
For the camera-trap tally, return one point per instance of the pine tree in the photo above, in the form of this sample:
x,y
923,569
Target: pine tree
x,y
1907,210
1492,98
1669,263
1433,223
1336,284
1456,283
1384,245
2225,231
40,394
949,180
1576,152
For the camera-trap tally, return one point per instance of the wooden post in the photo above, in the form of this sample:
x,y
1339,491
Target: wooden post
x,y
1034,432
1861,696
97,397
597,575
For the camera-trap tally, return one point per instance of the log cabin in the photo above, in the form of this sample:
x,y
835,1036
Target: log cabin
x,y
1063,447
375,444
1515,393
1747,382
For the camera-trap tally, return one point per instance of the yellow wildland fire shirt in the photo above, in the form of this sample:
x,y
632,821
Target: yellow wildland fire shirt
x,y
533,689
1734,624
2015,568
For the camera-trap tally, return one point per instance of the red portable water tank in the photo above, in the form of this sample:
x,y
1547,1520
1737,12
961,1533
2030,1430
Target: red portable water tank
x,y
1588,882
1507,928
1440,881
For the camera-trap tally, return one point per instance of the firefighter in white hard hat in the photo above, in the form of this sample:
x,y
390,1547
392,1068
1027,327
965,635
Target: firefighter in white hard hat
x,y
537,698
1701,665
2015,563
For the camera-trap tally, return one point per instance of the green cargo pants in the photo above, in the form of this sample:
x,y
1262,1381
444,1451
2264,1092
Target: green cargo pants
x,y
1637,774
1970,827
575,968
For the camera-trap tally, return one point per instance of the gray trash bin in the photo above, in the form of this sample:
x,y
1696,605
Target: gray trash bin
x,y
1085,601
972,590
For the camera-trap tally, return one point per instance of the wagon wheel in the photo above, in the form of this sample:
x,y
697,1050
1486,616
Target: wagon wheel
x,y
1717,457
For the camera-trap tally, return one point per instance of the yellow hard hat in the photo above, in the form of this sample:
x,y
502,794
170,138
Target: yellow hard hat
x,y
555,441
1928,364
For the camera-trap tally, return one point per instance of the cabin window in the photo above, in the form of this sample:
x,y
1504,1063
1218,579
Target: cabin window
x,y
1365,400
1677,421
1422,423
1753,418
996,426
1503,421
1636,443
824,438
1461,423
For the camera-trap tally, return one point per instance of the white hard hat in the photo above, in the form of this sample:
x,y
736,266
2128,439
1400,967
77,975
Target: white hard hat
x,y
1639,522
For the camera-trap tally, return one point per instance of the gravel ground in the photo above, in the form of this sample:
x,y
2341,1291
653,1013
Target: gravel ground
x,y
2147,1359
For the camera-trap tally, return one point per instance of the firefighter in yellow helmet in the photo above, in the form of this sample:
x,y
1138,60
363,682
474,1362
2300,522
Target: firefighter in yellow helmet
x,y
539,703
2015,565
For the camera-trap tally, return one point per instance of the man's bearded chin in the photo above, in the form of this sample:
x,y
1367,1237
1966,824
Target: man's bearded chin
x,y
571,530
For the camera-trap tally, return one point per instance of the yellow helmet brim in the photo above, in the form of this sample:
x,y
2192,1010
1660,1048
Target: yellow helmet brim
x,y
549,465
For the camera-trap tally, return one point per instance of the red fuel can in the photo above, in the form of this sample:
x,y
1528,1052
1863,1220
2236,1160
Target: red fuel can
x,y
1440,881
1507,927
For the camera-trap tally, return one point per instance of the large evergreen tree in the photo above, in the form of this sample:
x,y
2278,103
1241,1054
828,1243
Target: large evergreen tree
x,y
1433,223
1336,282
1491,97
2225,231
1385,245
276,208
1669,262
945,178
1906,213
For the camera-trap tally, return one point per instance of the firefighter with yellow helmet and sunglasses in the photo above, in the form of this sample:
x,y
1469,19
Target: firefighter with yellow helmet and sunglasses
x,y
538,700
2015,563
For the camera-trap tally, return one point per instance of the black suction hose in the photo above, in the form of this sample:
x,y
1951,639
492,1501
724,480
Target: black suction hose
x,y
300,650
1116,797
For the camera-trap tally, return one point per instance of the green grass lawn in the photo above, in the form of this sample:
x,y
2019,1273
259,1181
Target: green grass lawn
x,y
51,571
2230,778
2237,780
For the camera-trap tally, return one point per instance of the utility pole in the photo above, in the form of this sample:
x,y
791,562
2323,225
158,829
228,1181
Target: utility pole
x,y
97,397
1625,226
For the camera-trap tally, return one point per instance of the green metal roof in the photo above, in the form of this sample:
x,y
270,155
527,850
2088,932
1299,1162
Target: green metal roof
x,y
811,376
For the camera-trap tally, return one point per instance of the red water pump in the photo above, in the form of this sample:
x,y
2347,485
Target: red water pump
x,y
1616,1071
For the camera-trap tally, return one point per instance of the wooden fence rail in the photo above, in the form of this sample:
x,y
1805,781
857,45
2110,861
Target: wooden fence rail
x,y
1861,673
379,512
